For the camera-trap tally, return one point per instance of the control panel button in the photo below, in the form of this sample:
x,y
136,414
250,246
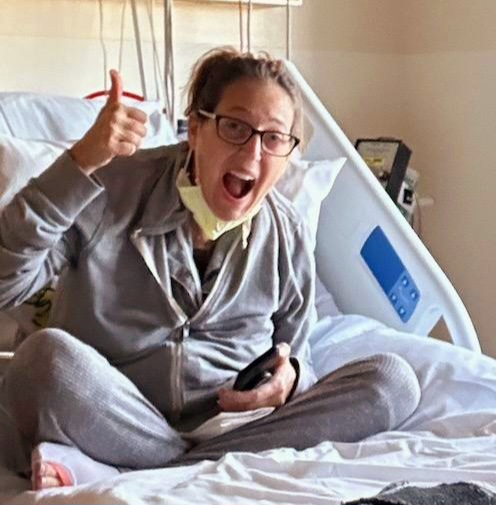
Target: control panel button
x,y
391,273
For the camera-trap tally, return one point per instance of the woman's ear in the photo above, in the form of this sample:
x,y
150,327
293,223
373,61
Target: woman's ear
x,y
193,125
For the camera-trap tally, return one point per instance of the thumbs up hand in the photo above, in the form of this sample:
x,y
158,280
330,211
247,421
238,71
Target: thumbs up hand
x,y
117,131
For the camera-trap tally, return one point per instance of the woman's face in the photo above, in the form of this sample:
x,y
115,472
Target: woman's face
x,y
234,178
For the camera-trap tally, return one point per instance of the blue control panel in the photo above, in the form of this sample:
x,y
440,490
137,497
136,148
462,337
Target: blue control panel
x,y
391,274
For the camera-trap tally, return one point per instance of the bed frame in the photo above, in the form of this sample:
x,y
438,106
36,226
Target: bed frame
x,y
355,208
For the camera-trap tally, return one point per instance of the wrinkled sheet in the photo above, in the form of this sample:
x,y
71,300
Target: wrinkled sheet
x,y
326,474
451,438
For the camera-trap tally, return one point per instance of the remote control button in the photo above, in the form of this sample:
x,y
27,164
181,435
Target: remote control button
x,y
401,311
394,298
413,295
404,281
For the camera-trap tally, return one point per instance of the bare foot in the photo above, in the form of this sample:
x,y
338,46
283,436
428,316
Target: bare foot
x,y
56,465
47,474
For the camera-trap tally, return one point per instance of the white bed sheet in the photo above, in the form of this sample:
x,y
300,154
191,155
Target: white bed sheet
x,y
328,473
452,437
453,380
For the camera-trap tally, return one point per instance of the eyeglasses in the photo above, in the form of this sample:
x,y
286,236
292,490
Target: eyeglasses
x,y
238,132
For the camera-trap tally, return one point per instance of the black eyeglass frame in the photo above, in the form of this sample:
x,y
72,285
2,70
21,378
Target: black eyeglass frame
x,y
254,131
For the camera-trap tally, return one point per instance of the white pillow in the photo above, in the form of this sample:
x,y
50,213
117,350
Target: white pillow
x,y
306,184
20,160
324,301
61,119
36,128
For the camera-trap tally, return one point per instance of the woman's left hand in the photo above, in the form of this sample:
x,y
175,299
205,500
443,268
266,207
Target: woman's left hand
x,y
273,393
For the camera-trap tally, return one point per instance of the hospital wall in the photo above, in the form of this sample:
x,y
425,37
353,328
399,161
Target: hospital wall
x,y
422,71
54,46
449,92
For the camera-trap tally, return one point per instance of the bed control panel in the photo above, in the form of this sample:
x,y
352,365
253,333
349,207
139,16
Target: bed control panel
x,y
391,274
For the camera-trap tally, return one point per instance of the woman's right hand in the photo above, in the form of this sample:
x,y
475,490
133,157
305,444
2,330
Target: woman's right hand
x,y
118,131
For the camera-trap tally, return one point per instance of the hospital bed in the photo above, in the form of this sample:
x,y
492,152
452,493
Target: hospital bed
x,y
390,293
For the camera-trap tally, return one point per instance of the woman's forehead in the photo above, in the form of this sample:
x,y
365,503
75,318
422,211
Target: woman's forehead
x,y
257,99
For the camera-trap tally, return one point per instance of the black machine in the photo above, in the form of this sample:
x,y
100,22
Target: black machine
x,y
388,158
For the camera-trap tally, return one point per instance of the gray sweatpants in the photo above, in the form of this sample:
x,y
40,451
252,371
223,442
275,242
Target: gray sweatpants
x,y
58,389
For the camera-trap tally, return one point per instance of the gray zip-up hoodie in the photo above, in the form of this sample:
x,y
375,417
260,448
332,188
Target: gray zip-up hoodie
x,y
128,285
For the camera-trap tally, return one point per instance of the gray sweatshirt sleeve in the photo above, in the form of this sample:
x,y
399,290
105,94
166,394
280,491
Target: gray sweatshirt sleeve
x,y
36,239
296,315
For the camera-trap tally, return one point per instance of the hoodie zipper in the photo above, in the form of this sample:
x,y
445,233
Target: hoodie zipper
x,y
180,334
183,332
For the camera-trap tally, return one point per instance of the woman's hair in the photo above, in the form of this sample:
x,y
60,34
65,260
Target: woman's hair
x,y
219,68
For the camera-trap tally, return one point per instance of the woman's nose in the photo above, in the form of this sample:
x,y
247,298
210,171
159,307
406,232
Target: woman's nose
x,y
254,147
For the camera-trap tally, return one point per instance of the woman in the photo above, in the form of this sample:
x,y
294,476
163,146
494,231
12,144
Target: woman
x,y
179,266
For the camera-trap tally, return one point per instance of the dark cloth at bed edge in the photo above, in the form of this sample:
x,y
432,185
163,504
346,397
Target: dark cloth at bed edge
x,y
460,493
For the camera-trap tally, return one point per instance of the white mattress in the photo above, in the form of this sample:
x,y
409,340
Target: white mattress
x,y
452,437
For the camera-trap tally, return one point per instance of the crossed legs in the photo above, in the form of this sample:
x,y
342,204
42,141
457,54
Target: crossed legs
x,y
95,420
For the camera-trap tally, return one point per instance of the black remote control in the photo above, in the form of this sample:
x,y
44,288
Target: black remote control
x,y
258,371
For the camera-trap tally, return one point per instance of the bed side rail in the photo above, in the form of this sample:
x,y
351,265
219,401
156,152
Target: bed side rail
x,y
356,207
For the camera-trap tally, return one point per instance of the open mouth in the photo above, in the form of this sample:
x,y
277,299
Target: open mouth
x,y
238,186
